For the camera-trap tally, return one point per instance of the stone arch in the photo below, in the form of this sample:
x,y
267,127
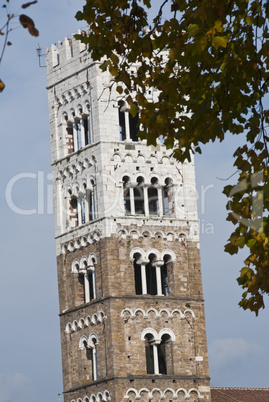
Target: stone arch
x,y
116,157
154,176
147,233
79,110
92,340
68,328
83,342
75,266
141,159
167,331
170,390
165,160
176,310
83,264
149,331
183,391
168,253
189,311
155,252
134,391
129,158
170,236
159,234
138,175
92,259
137,250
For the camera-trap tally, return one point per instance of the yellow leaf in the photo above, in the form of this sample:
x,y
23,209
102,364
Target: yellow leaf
x,y
218,26
193,30
119,89
114,71
2,86
218,41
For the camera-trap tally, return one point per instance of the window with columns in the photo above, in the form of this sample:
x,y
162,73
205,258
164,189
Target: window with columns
x,y
78,129
141,198
128,125
85,268
151,275
89,361
158,353
82,206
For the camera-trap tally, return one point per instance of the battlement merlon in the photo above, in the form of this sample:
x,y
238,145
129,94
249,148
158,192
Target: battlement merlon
x,y
61,59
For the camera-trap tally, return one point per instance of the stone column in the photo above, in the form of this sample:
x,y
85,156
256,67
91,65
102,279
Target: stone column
x,y
160,201
132,203
146,201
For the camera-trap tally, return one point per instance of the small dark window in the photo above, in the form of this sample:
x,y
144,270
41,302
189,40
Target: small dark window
x,y
121,104
137,274
149,354
74,203
133,126
162,355
78,130
91,284
151,276
83,216
86,131
126,195
153,197
139,196
70,137
167,196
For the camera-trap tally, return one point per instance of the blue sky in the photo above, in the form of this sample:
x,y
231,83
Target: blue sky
x,y
30,363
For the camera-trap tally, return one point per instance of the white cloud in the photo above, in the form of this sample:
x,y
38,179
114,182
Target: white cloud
x,y
223,352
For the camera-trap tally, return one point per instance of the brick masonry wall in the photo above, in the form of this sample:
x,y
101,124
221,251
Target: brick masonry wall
x,y
120,350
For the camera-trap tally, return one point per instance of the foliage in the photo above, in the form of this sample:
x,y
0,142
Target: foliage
x,y
208,62
6,28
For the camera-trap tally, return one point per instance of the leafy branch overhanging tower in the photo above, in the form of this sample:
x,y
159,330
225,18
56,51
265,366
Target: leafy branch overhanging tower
x,y
129,273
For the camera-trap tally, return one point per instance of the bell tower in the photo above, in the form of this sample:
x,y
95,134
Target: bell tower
x,y
129,273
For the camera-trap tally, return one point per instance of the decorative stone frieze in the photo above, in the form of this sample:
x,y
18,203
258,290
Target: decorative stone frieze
x,y
133,314
82,323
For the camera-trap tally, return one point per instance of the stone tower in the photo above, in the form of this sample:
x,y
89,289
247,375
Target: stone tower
x,y
129,273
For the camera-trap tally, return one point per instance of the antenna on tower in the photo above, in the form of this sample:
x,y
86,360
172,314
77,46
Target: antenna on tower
x,y
40,54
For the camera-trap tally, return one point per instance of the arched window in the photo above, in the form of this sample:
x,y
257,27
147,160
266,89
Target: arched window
x,y
128,125
77,127
82,208
158,354
121,105
152,277
69,136
153,198
83,212
139,196
91,201
88,271
73,211
85,123
133,126
164,275
126,195
140,199
167,196
90,370
138,274
86,277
